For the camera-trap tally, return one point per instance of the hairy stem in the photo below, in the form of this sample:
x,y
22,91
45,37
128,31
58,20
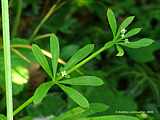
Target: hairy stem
x,y
7,58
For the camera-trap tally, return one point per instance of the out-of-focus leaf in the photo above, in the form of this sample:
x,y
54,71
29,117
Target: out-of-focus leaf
x,y
2,117
145,54
95,108
111,117
52,104
20,75
71,114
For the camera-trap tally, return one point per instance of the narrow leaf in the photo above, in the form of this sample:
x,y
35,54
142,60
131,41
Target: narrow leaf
x,y
133,32
120,50
54,48
75,96
126,22
41,59
79,55
111,117
112,21
41,92
84,80
140,43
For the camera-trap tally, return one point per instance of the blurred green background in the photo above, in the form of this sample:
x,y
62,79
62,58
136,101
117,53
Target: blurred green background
x,y
132,82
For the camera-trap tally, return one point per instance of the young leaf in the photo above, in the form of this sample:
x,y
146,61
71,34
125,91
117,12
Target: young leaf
x,y
133,32
83,80
126,22
41,59
54,48
112,21
75,96
111,117
120,50
79,55
138,44
41,92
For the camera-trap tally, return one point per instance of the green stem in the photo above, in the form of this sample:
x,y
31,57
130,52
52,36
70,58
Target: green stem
x,y
43,36
17,18
28,102
50,12
107,45
7,58
86,60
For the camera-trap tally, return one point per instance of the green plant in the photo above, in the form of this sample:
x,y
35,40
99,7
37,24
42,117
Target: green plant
x,y
7,58
61,77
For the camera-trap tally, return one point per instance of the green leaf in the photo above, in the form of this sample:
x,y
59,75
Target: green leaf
x,y
79,55
84,80
111,117
145,54
41,59
133,32
2,117
69,115
126,22
112,21
75,96
120,50
41,92
95,108
54,48
138,44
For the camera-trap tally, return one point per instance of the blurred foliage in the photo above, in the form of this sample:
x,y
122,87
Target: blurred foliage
x,y
131,82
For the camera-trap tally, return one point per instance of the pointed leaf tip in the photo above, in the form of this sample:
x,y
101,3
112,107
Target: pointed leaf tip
x,y
54,48
112,21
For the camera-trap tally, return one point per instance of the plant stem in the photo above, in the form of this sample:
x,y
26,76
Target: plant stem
x,y
29,101
7,58
86,60
50,12
17,18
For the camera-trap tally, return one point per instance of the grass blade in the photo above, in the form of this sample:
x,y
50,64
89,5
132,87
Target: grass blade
x,y
7,58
